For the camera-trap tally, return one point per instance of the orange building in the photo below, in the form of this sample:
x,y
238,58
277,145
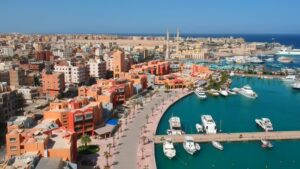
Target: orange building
x,y
118,63
199,70
154,67
59,143
53,84
122,89
79,115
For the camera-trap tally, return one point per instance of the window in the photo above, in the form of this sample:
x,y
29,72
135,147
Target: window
x,y
78,118
88,116
13,147
12,139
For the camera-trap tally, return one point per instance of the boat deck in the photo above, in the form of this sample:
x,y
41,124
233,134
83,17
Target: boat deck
x,y
233,137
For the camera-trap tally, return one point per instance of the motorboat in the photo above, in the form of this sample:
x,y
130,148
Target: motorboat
x,y
175,126
290,78
284,59
269,60
248,92
255,60
199,128
231,73
288,51
236,89
266,143
296,85
232,92
190,146
200,93
168,148
217,145
209,124
214,92
264,123
223,92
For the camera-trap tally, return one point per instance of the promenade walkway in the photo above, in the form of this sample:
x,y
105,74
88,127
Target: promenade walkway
x,y
233,137
131,139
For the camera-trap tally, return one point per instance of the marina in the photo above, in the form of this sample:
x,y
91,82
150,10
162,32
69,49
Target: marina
x,y
237,114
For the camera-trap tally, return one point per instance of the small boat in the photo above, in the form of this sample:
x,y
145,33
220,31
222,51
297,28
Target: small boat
x,y
290,78
266,144
223,92
190,146
209,124
265,123
232,92
269,60
200,93
248,92
217,145
168,148
236,89
175,126
199,128
231,73
296,85
214,92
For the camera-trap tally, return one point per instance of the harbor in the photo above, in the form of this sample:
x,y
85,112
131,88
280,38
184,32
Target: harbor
x,y
236,117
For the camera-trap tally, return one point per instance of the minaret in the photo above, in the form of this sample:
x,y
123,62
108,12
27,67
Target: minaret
x,y
177,41
167,57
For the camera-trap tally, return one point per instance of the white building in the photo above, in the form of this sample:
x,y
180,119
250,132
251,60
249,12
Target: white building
x,y
6,51
75,74
97,68
58,53
29,93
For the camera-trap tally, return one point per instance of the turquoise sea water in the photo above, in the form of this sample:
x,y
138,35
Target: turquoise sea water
x,y
236,114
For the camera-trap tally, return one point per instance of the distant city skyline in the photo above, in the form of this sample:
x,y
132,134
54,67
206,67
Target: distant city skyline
x,y
150,17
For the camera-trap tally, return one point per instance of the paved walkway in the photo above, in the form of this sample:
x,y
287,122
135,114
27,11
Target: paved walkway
x,y
128,148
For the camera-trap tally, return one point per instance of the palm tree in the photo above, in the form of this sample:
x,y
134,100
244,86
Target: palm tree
x,y
85,139
109,146
107,155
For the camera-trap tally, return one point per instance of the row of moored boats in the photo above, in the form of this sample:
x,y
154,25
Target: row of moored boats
x,y
209,127
245,91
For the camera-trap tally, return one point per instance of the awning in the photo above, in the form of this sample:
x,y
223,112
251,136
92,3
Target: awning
x,y
112,122
107,129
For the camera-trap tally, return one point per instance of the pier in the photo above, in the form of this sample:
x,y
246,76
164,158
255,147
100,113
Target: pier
x,y
233,137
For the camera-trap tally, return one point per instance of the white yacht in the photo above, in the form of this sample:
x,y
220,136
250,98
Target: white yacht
x,y
200,93
199,128
287,51
175,126
169,149
248,92
255,60
284,59
264,123
209,124
217,145
223,92
270,60
290,78
296,85
232,92
190,146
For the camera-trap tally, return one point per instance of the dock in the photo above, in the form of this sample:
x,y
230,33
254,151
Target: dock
x,y
233,137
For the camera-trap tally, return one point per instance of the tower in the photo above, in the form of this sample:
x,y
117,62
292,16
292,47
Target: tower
x,y
167,57
177,40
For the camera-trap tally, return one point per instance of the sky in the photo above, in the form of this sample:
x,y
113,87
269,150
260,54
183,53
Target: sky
x,y
150,16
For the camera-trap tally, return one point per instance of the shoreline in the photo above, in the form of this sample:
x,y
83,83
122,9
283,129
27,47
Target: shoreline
x,y
154,121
